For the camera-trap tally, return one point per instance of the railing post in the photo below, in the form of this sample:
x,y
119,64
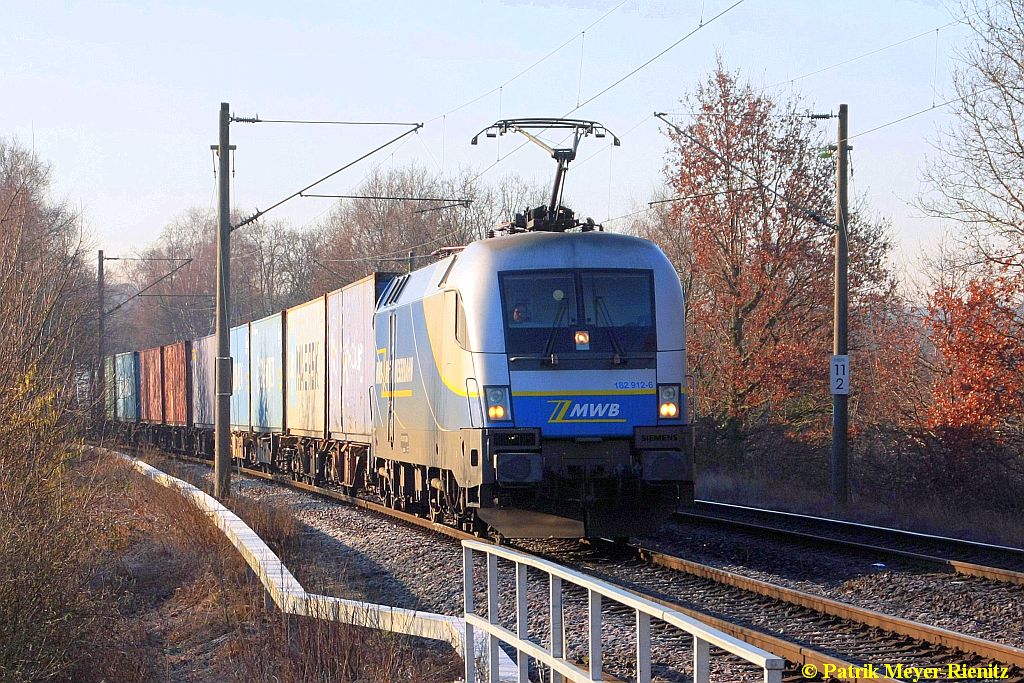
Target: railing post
x,y
643,647
467,601
492,616
594,639
557,628
701,660
522,626
549,659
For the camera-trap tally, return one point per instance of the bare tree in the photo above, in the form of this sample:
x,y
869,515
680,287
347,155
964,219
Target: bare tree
x,y
45,292
512,194
274,266
47,299
369,235
177,307
977,179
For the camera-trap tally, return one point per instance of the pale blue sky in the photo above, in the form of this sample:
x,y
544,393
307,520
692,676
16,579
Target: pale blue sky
x,y
122,97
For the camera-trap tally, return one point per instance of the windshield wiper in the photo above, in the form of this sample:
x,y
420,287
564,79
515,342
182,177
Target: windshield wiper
x,y
548,351
620,356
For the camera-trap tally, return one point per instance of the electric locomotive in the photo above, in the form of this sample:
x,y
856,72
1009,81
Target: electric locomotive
x,y
534,383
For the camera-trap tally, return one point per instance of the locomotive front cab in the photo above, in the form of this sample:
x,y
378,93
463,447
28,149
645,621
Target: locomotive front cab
x,y
592,427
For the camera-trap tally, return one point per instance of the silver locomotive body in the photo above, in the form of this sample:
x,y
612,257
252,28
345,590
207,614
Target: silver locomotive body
x,y
535,383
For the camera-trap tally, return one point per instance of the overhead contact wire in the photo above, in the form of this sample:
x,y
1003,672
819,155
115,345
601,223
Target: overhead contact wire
x,y
625,77
260,213
532,66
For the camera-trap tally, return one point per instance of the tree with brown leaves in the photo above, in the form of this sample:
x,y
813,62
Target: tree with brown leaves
x,y
760,266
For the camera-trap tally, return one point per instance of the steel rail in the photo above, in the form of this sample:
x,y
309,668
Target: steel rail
x,y
961,567
285,480
795,654
964,542
934,635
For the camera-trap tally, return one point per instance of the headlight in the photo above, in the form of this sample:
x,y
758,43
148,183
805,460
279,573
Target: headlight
x,y
499,408
668,400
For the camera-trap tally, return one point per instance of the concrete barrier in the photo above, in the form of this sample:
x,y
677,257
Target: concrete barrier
x,y
291,598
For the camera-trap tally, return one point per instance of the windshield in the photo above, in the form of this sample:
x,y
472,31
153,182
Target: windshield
x,y
578,312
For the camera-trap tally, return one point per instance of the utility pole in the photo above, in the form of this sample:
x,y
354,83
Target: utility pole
x,y
101,393
222,415
840,371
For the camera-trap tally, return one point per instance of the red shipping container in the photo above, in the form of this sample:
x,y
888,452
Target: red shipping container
x,y
178,384
151,404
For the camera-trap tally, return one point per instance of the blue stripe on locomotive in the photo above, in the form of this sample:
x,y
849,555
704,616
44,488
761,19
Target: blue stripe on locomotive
x,y
569,414
582,409
587,413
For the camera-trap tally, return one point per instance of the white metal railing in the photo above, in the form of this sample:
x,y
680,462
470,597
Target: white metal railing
x,y
289,595
554,656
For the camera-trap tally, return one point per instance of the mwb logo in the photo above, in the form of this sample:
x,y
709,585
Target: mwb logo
x,y
567,410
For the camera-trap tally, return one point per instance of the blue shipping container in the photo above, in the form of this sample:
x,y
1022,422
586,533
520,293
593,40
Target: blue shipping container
x,y
306,368
126,372
204,358
266,352
240,378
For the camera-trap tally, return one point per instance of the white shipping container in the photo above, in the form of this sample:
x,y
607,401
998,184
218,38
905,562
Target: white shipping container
x,y
306,368
335,362
204,358
359,301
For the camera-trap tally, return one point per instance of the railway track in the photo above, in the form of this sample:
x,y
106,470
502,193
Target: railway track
x,y
884,635
968,558
808,630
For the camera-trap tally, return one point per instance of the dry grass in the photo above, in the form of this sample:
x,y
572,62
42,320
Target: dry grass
x,y
201,605
923,507
108,576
